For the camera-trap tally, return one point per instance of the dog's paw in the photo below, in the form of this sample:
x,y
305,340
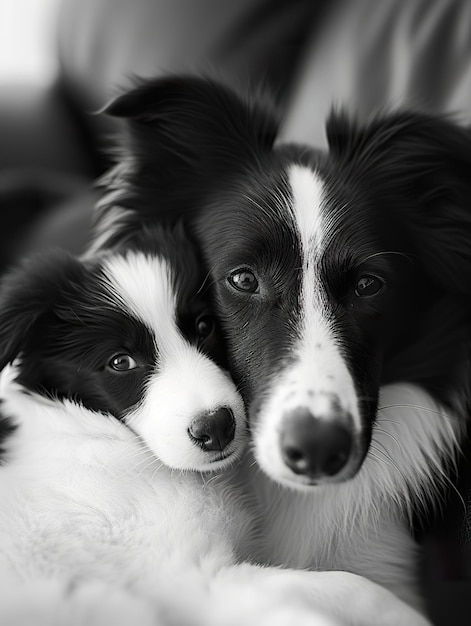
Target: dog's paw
x,y
277,597
52,603
95,604
289,615
357,601
258,596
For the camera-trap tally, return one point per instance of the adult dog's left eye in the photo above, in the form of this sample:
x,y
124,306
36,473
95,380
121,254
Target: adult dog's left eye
x,y
368,285
204,325
122,363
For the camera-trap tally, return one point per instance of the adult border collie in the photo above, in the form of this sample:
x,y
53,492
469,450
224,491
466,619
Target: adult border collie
x,y
335,274
114,389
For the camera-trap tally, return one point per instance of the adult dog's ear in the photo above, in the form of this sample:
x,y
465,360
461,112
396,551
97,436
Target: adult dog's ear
x,y
418,167
184,136
27,292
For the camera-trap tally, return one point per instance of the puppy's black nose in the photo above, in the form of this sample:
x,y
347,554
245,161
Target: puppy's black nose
x,y
315,447
213,431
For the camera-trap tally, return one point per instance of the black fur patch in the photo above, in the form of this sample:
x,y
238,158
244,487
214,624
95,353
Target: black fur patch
x,y
58,315
398,185
7,429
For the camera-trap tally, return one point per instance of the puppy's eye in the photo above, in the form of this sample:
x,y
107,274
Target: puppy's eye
x,y
368,285
204,326
243,280
122,363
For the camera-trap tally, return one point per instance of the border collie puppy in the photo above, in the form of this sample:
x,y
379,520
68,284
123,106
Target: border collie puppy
x,y
114,386
335,274
132,335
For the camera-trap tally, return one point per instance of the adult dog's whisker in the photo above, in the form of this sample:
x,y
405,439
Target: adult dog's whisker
x,y
418,406
382,431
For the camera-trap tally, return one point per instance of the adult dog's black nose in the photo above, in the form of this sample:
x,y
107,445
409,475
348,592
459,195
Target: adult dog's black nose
x,y
214,430
315,447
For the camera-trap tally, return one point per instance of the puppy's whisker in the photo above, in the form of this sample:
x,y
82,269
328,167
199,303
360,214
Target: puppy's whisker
x,y
214,478
148,465
157,468
135,454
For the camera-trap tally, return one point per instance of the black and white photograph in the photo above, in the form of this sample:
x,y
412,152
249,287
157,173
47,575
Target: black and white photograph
x,y
235,312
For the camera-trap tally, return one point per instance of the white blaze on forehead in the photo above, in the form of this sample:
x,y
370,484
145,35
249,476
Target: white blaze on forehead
x,y
186,383
308,194
320,368
316,378
307,198
307,191
143,286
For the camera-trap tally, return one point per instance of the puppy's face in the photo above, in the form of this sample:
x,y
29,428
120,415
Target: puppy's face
x,y
334,272
129,334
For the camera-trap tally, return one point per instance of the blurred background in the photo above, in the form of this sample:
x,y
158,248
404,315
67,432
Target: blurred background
x,y
27,35
61,60
40,168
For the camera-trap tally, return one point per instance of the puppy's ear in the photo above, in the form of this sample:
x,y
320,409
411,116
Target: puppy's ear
x,y
184,136
27,293
418,167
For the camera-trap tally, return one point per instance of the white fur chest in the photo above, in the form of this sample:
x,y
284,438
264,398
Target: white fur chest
x,y
83,497
332,529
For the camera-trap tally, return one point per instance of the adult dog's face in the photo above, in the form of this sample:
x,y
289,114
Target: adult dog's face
x,y
313,293
333,273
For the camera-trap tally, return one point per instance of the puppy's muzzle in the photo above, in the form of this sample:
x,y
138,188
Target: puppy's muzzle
x,y
316,447
213,431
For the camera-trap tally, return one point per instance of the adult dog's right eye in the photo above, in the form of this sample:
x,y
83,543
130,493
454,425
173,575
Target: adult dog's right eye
x,y
369,285
122,363
243,279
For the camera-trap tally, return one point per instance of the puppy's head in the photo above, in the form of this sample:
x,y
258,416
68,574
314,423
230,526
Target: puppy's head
x,y
333,272
130,334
